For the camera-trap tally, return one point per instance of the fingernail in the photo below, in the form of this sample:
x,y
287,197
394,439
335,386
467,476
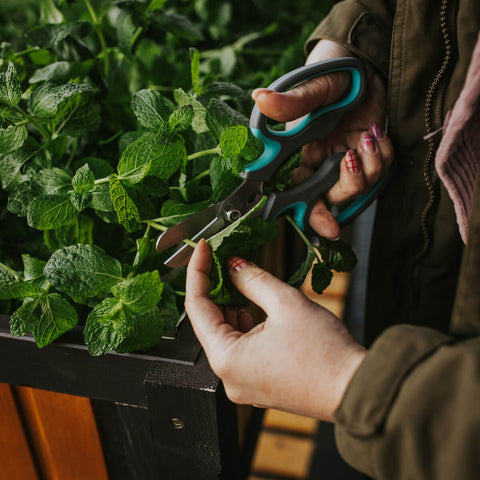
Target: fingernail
x,y
353,163
235,264
260,90
368,143
377,132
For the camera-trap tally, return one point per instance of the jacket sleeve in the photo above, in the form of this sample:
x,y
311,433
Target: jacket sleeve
x,y
364,27
412,409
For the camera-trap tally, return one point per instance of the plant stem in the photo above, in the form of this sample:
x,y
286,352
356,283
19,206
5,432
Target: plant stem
x,y
100,36
102,180
45,134
26,51
210,151
303,237
199,176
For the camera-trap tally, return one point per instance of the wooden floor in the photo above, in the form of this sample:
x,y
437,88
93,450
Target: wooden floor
x,y
287,442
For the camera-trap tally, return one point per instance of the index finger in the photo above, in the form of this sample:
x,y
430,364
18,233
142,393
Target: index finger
x,y
206,317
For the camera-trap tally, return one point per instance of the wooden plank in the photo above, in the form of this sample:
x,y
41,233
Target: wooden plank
x,y
16,461
279,454
288,421
64,434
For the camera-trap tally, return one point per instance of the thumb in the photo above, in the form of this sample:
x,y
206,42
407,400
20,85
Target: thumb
x,y
258,285
302,99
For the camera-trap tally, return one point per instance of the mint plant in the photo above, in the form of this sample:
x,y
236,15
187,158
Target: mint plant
x,y
97,157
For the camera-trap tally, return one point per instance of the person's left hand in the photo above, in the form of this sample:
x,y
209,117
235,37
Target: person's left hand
x,y
299,360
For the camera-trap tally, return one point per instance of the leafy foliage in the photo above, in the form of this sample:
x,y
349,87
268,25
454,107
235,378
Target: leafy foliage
x,y
111,114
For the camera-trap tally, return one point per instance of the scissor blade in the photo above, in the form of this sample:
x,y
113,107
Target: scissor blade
x,y
186,228
183,253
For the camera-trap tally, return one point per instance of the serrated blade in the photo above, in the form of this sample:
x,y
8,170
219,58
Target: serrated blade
x,y
187,228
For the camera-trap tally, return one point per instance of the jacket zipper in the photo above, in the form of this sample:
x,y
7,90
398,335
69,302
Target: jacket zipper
x,y
433,121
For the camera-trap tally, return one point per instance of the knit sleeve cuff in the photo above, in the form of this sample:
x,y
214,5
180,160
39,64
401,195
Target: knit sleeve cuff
x,y
353,26
374,388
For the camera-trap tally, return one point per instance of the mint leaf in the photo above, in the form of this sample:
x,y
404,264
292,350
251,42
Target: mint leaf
x,y
127,211
145,331
181,118
150,108
53,180
217,239
299,276
81,200
101,198
321,277
83,270
47,316
174,212
168,309
337,255
232,140
79,231
83,180
106,326
222,179
10,88
18,289
140,293
220,115
19,200
58,72
49,36
12,138
182,98
177,24
33,271
46,100
47,212
148,155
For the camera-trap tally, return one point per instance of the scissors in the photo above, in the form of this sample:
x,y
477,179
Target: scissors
x,y
279,147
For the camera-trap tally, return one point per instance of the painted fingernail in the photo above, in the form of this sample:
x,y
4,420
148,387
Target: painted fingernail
x,y
368,143
235,264
377,132
353,163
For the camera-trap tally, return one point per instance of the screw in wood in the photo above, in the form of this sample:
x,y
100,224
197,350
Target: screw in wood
x,y
177,423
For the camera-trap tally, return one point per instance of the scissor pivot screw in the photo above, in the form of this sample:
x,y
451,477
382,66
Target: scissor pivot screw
x,y
233,215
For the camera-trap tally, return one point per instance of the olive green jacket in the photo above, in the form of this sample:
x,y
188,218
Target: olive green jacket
x,y
412,410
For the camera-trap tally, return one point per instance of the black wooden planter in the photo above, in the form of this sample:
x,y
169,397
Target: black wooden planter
x,y
161,414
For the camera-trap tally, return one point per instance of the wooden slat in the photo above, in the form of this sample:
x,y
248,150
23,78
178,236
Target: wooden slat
x,y
16,460
64,434
279,454
289,422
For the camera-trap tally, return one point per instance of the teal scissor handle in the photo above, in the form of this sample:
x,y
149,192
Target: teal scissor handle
x,y
281,145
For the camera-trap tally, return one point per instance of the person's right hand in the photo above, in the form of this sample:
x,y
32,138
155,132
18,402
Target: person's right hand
x,y
361,129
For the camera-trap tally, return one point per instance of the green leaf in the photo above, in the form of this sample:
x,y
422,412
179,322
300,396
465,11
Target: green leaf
x,y
12,138
33,271
58,72
299,276
151,109
233,140
182,98
83,270
321,277
53,180
83,180
177,24
18,289
125,29
144,249
79,231
148,155
49,36
168,309
145,331
337,255
106,326
10,88
140,293
217,239
222,179
81,200
195,70
19,200
46,100
101,198
127,212
220,115
47,212
48,316
181,118
173,212
49,12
